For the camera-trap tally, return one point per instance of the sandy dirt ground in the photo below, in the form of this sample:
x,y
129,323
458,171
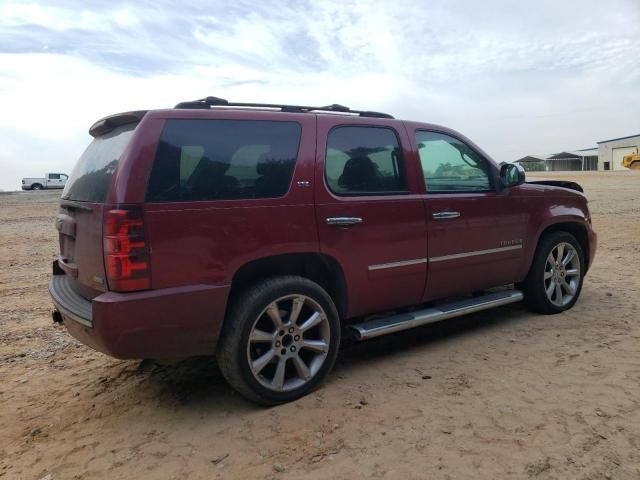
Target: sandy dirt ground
x,y
500,394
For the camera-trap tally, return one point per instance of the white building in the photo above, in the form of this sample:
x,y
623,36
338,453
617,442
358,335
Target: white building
x,y
610,152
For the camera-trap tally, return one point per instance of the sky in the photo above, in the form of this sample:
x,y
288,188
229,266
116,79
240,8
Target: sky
x,y
517,78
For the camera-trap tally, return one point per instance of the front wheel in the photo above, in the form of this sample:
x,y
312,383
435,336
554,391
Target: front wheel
x,y
280,340
555,279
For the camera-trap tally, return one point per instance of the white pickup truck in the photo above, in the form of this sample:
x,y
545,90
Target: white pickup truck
x,y
50,180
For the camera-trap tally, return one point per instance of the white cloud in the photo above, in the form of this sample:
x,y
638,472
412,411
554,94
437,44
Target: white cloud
x,y
55,18
125,18
556,76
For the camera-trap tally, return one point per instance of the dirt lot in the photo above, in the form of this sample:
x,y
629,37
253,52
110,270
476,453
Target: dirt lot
x,y
502,394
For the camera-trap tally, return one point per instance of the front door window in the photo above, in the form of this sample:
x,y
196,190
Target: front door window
x,y
449,165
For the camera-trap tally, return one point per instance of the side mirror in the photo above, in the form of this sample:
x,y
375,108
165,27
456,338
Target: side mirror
x,y
511,175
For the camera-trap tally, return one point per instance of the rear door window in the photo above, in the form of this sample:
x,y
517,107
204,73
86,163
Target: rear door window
x,y
364,161
90,179
223,160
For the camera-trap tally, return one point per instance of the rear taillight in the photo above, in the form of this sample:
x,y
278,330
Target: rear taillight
x,y
126,255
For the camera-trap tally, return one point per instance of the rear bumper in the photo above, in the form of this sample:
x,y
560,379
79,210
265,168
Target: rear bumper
x,y
26,187
165,323
69,303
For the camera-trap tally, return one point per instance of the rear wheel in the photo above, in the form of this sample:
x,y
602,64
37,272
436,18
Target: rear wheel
x,y
555,279
280,340
36,186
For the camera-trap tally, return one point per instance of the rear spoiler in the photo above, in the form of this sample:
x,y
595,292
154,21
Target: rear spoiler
x,y
107,124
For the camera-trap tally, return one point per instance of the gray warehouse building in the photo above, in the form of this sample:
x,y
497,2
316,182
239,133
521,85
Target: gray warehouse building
x,y
607,156
610,152
585,159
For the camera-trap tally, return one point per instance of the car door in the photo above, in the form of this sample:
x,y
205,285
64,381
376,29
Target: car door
x,y
369,211
476,232
53,180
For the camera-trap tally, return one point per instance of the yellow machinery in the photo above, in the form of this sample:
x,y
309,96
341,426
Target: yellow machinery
x,y
631,161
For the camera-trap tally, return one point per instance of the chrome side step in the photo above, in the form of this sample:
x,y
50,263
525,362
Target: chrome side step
x,y
404,321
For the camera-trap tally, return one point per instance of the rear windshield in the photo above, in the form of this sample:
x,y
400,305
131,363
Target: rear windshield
x,y
223,160
90,178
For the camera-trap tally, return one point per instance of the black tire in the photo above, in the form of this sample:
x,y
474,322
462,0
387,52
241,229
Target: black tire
x,y
535,296
36,186
245,310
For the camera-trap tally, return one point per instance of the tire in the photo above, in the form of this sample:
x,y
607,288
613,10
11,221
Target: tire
x,y
36,186
250,335
635,165
547,270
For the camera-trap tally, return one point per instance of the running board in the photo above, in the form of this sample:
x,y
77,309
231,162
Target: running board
x,y
404,321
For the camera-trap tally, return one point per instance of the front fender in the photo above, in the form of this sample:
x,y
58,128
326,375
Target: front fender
x,y
572,219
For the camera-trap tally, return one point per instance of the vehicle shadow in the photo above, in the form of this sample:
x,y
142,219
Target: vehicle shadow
x,y
353,352
199,381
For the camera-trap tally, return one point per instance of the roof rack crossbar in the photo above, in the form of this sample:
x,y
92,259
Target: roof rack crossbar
x,y
208,102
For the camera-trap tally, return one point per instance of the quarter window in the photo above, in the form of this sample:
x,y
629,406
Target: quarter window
x,y
364,160
450,165
223,160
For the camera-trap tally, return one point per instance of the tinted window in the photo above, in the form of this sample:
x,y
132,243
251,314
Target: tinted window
x,y
449,165
89,181
363,160
54,176
223,159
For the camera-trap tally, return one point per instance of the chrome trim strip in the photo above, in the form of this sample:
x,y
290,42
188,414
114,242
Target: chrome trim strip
x,y
403,263
474,253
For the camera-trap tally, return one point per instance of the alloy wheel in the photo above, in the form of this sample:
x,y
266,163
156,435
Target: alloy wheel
x,y
288,343
562,274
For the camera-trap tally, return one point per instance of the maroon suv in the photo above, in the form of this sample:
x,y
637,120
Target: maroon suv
x,y
257,232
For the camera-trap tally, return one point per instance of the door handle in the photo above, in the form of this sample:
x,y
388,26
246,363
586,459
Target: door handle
x,y
343,221
445,215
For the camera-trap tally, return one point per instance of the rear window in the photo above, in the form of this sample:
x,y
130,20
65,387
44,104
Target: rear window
x,y
89,181
223,160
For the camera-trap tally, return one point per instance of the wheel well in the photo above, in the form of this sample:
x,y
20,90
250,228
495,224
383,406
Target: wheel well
x,y
319,268
577,230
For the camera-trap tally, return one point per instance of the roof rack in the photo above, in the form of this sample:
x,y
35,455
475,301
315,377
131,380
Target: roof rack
x,y
205,103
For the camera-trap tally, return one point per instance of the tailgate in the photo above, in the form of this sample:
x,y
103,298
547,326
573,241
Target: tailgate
x,y
80,219
80,232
